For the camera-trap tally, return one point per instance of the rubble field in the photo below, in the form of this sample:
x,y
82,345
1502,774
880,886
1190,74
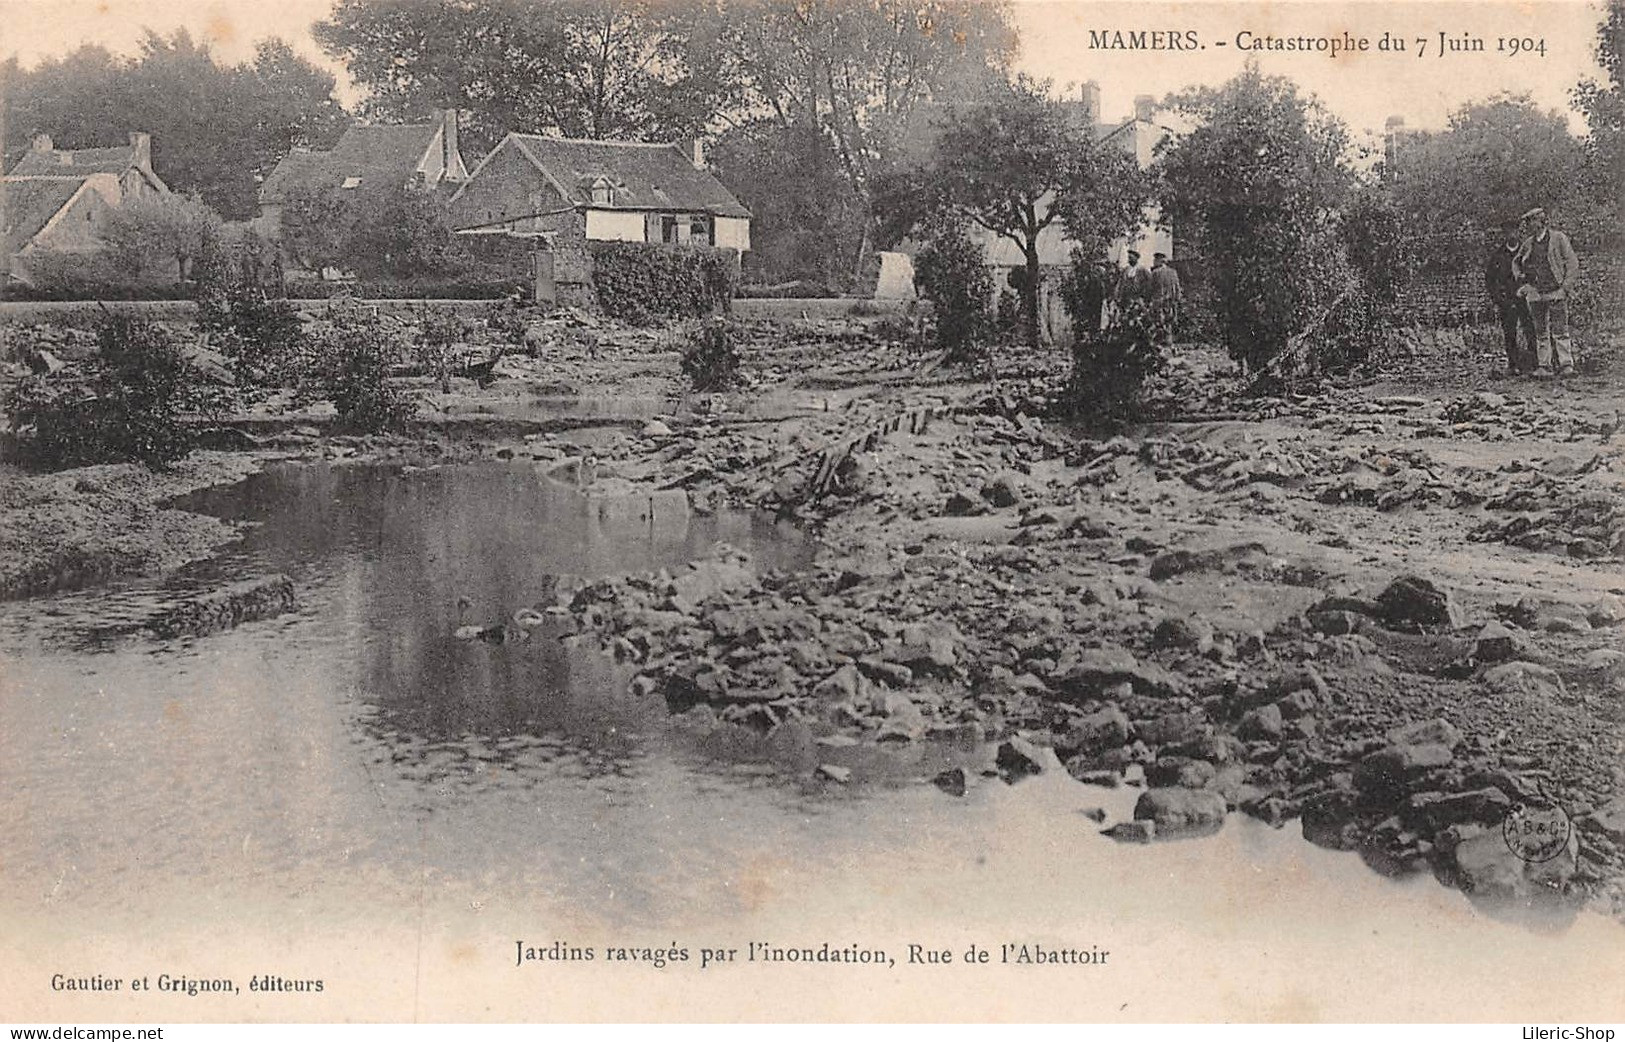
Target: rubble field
x,y
1389,611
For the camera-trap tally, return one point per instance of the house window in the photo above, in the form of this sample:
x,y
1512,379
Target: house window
x,y
668,227
602,193
699,229
351,182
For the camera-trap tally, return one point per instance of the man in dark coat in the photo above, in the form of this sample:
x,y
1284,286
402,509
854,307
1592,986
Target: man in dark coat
x,y
1501,281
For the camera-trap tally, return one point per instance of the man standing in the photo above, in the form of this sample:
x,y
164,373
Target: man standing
x,y
1501,282
1165,292
1133,284
1546,267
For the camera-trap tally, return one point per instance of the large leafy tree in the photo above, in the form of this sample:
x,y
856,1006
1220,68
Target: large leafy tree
x,y
1015,163
583,68
1497,158
1604,107
848,82
215,128
1259,182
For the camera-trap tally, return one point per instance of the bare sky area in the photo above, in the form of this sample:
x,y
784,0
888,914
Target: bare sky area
x,y
1364,88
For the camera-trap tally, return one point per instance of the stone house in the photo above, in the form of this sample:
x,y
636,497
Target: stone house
x,y
54,199
549,197
366,161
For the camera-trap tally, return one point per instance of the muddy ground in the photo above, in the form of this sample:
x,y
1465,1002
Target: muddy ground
x,y
1391,610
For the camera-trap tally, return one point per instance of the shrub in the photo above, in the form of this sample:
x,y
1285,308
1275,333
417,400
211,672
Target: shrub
x,y
354,355
262,337
125,404
638,281
95,275
711,362
951,272
1110,366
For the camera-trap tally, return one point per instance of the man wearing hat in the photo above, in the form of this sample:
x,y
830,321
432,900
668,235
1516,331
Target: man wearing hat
x,y
1165,292
1501,282
1546,268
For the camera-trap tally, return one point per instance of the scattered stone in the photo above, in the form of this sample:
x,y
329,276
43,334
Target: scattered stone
x,y
1017,758
656,429
1496,643
1391,771
1095,814
839,775
1103,729
1412,603
954,781
1132,831
1181,810
1263,723
1003,492
1525,678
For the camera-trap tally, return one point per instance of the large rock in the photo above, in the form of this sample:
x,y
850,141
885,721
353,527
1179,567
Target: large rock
x,y
1263,723
1175,728
1392,771
1103,729
1484,865
1428,812
1098,669
1176,810
1524,678
1413,603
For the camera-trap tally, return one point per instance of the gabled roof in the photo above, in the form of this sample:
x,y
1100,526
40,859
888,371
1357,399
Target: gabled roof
x,y
645,176
58,161
31,202
379,156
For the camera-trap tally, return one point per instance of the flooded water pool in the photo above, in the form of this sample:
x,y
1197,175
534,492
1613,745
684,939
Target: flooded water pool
x,y
348,790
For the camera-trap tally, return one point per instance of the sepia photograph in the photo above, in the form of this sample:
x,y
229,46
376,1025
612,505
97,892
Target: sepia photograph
x,y
812,511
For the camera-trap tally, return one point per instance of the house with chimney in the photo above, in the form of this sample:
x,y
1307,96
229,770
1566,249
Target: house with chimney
x,y
600,191
367,161
1138,135
54,198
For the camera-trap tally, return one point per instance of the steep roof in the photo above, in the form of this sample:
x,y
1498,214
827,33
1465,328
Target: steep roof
x,y
31,202
113,160
644,176
378,156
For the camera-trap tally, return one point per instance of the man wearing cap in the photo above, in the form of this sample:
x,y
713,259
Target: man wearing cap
x,y
1134,283
1546,268
1501,282
1165,292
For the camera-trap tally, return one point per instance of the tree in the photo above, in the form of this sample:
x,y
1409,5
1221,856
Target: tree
x,y
850,82
583,68
837,82
152,231
214,128
1603,105
1260,181
1014,164
1496,159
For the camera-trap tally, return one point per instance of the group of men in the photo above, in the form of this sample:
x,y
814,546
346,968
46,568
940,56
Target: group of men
x,y
1113,291
1529,275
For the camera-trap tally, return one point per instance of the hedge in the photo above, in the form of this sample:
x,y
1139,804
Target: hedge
x,y
414,289
637,281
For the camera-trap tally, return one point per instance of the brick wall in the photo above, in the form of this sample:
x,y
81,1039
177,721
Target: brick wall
x,y
1453,295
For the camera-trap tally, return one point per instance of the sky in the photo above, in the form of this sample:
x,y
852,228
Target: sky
x,y
1363,88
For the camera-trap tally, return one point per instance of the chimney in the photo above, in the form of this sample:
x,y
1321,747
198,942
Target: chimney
x,y
697,153
40,143
140,148
450,157
1144,105
1089,94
